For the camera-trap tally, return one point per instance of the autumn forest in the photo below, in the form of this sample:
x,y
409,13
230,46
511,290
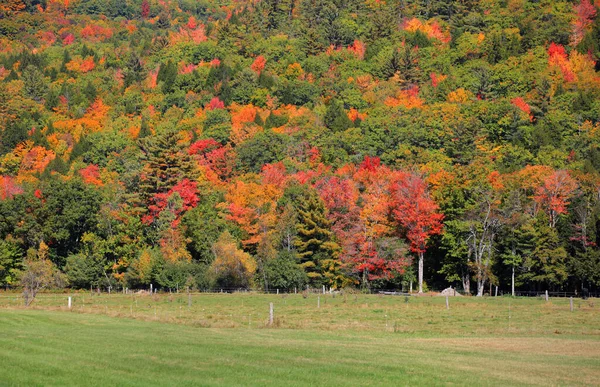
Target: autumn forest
x,y
280,144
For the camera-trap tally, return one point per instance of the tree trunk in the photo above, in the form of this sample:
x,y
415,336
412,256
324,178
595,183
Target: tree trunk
x,y
420,272
512,285
466,280
480,287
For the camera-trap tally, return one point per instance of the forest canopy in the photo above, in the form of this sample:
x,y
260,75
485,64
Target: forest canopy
x,y
285,143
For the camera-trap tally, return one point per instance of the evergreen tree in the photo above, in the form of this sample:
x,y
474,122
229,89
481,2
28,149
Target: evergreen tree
x,y
133,70
35,86
336,118
314,241
167,163
167,74
14,133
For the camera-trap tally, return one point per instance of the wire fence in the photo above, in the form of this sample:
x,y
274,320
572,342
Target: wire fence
x,y
322,290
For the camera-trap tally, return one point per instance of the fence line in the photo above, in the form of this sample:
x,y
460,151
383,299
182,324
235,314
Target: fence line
x,y
4,291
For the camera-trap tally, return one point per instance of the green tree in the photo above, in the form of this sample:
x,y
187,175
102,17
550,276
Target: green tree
x,y
336,118
264,148
284,273
35,86
315,243
546,266
11,260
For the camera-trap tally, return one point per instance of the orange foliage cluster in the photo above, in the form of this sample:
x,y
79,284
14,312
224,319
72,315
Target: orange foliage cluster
x,y
91,175
246,206
10,7
259,64
36,160
152,78
242,122
92,121
353,114
408,98
196,35
358,48
186,68
430,28
81,65
94,32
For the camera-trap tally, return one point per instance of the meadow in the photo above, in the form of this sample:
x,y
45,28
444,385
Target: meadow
x,y
354,339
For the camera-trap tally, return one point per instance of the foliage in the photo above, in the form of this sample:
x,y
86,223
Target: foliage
x,y
351,136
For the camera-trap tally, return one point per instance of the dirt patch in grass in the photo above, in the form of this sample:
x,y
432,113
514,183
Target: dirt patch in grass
x,y
524,345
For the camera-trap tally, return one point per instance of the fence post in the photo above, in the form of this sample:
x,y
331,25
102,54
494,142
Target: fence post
x,y
295,290
447,304
277,291
150,288
323,289
69,302
571,303
270,314
546,295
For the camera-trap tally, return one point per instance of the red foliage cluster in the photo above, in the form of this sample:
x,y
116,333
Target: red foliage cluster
x,y
520,104
586,12
188,192
9,187
557,56
555,194
214,156
68,39
215,103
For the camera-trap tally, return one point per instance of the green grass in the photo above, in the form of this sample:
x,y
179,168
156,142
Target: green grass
x,y
223,340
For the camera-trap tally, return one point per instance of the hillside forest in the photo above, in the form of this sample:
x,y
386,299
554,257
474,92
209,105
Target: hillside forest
x,y
283,143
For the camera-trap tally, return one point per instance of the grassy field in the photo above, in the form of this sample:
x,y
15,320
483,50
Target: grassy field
x,y
222,339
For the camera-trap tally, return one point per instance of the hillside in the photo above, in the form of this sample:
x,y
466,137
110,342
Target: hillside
x,y
285,143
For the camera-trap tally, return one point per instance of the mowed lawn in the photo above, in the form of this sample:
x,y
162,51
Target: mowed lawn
x,y
57,347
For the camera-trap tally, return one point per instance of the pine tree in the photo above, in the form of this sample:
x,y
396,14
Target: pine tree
x,y
336,118
314,240
133,70
167,163
34,84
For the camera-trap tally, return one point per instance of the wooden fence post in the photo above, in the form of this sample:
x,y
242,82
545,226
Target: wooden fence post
x,y
270,314
69,302
546,295
447,304
571,303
